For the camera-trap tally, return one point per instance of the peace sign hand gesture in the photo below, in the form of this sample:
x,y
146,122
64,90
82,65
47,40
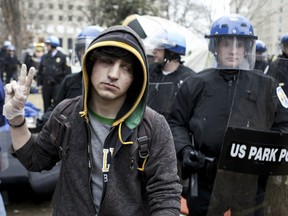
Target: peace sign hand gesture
x,y
16,93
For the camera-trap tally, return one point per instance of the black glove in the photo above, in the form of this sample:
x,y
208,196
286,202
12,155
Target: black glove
x,y
192,161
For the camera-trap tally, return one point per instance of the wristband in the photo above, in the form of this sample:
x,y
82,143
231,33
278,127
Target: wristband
x,y
19,125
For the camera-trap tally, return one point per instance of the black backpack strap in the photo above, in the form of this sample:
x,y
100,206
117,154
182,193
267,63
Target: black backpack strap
x,y
143,140
61,128
143,143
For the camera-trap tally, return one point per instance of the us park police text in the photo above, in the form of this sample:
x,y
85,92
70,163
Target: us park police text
x,y
258,153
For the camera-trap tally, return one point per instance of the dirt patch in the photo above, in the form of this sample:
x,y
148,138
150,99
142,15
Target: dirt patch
x,y
36,100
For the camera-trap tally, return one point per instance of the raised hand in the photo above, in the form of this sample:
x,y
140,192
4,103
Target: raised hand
x,y
16,93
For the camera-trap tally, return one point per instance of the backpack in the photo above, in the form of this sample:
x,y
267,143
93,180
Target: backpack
x,y
142,139
141,135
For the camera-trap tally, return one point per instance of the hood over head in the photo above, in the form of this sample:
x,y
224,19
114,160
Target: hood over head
x,y
123,37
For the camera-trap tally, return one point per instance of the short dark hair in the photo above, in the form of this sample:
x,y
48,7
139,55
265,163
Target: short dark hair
x,y
113,52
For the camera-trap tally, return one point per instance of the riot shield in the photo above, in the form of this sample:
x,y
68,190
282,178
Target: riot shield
x,y
252,171
161,97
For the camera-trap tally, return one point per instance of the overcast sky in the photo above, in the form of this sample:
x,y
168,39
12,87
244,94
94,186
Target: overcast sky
x,y
221,7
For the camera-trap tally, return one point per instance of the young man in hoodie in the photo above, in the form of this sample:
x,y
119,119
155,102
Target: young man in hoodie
x,y
99,139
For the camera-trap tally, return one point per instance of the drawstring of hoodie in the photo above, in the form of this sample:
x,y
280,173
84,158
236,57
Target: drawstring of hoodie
x,y
83,114
130,142
120,136
143,165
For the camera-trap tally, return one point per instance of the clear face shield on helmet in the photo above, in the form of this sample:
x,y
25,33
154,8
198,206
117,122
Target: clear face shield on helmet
x,y
154,46
80,47
156,43
231,52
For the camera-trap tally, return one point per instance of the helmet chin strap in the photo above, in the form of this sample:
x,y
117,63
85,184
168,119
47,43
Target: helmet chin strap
x,y
285,54
166,60
169,56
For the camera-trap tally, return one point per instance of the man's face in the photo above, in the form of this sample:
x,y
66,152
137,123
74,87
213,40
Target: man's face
x,y
285,48
111,79
48,46
11,53
230,52
158,55
260,56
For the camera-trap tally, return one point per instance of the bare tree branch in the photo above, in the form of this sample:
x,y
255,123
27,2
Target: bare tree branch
x,y
12,18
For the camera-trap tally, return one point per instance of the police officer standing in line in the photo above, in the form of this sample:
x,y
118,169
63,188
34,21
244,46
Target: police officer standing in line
x,y
261,63
167,73
71,85
279,67
33,57
52,70
202,109
3,56
11,64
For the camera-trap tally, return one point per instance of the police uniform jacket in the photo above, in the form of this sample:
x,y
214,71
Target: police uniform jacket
x,y
279,69
52,69
213,99
164,88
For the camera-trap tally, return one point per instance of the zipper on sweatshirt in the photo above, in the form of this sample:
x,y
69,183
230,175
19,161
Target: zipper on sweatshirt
x,y
105,181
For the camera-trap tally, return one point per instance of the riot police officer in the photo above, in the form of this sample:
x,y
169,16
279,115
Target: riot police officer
x,y
203,107
71,85
167,73
11,64
261,63
52,70
33,57
3,56
279,66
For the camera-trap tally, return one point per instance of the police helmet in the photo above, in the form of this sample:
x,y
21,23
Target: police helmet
x,y
284,38
11,48
83,41
238,28
53,41
284,43
173,43
85,37
171,40
6,44
260,46
231,25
